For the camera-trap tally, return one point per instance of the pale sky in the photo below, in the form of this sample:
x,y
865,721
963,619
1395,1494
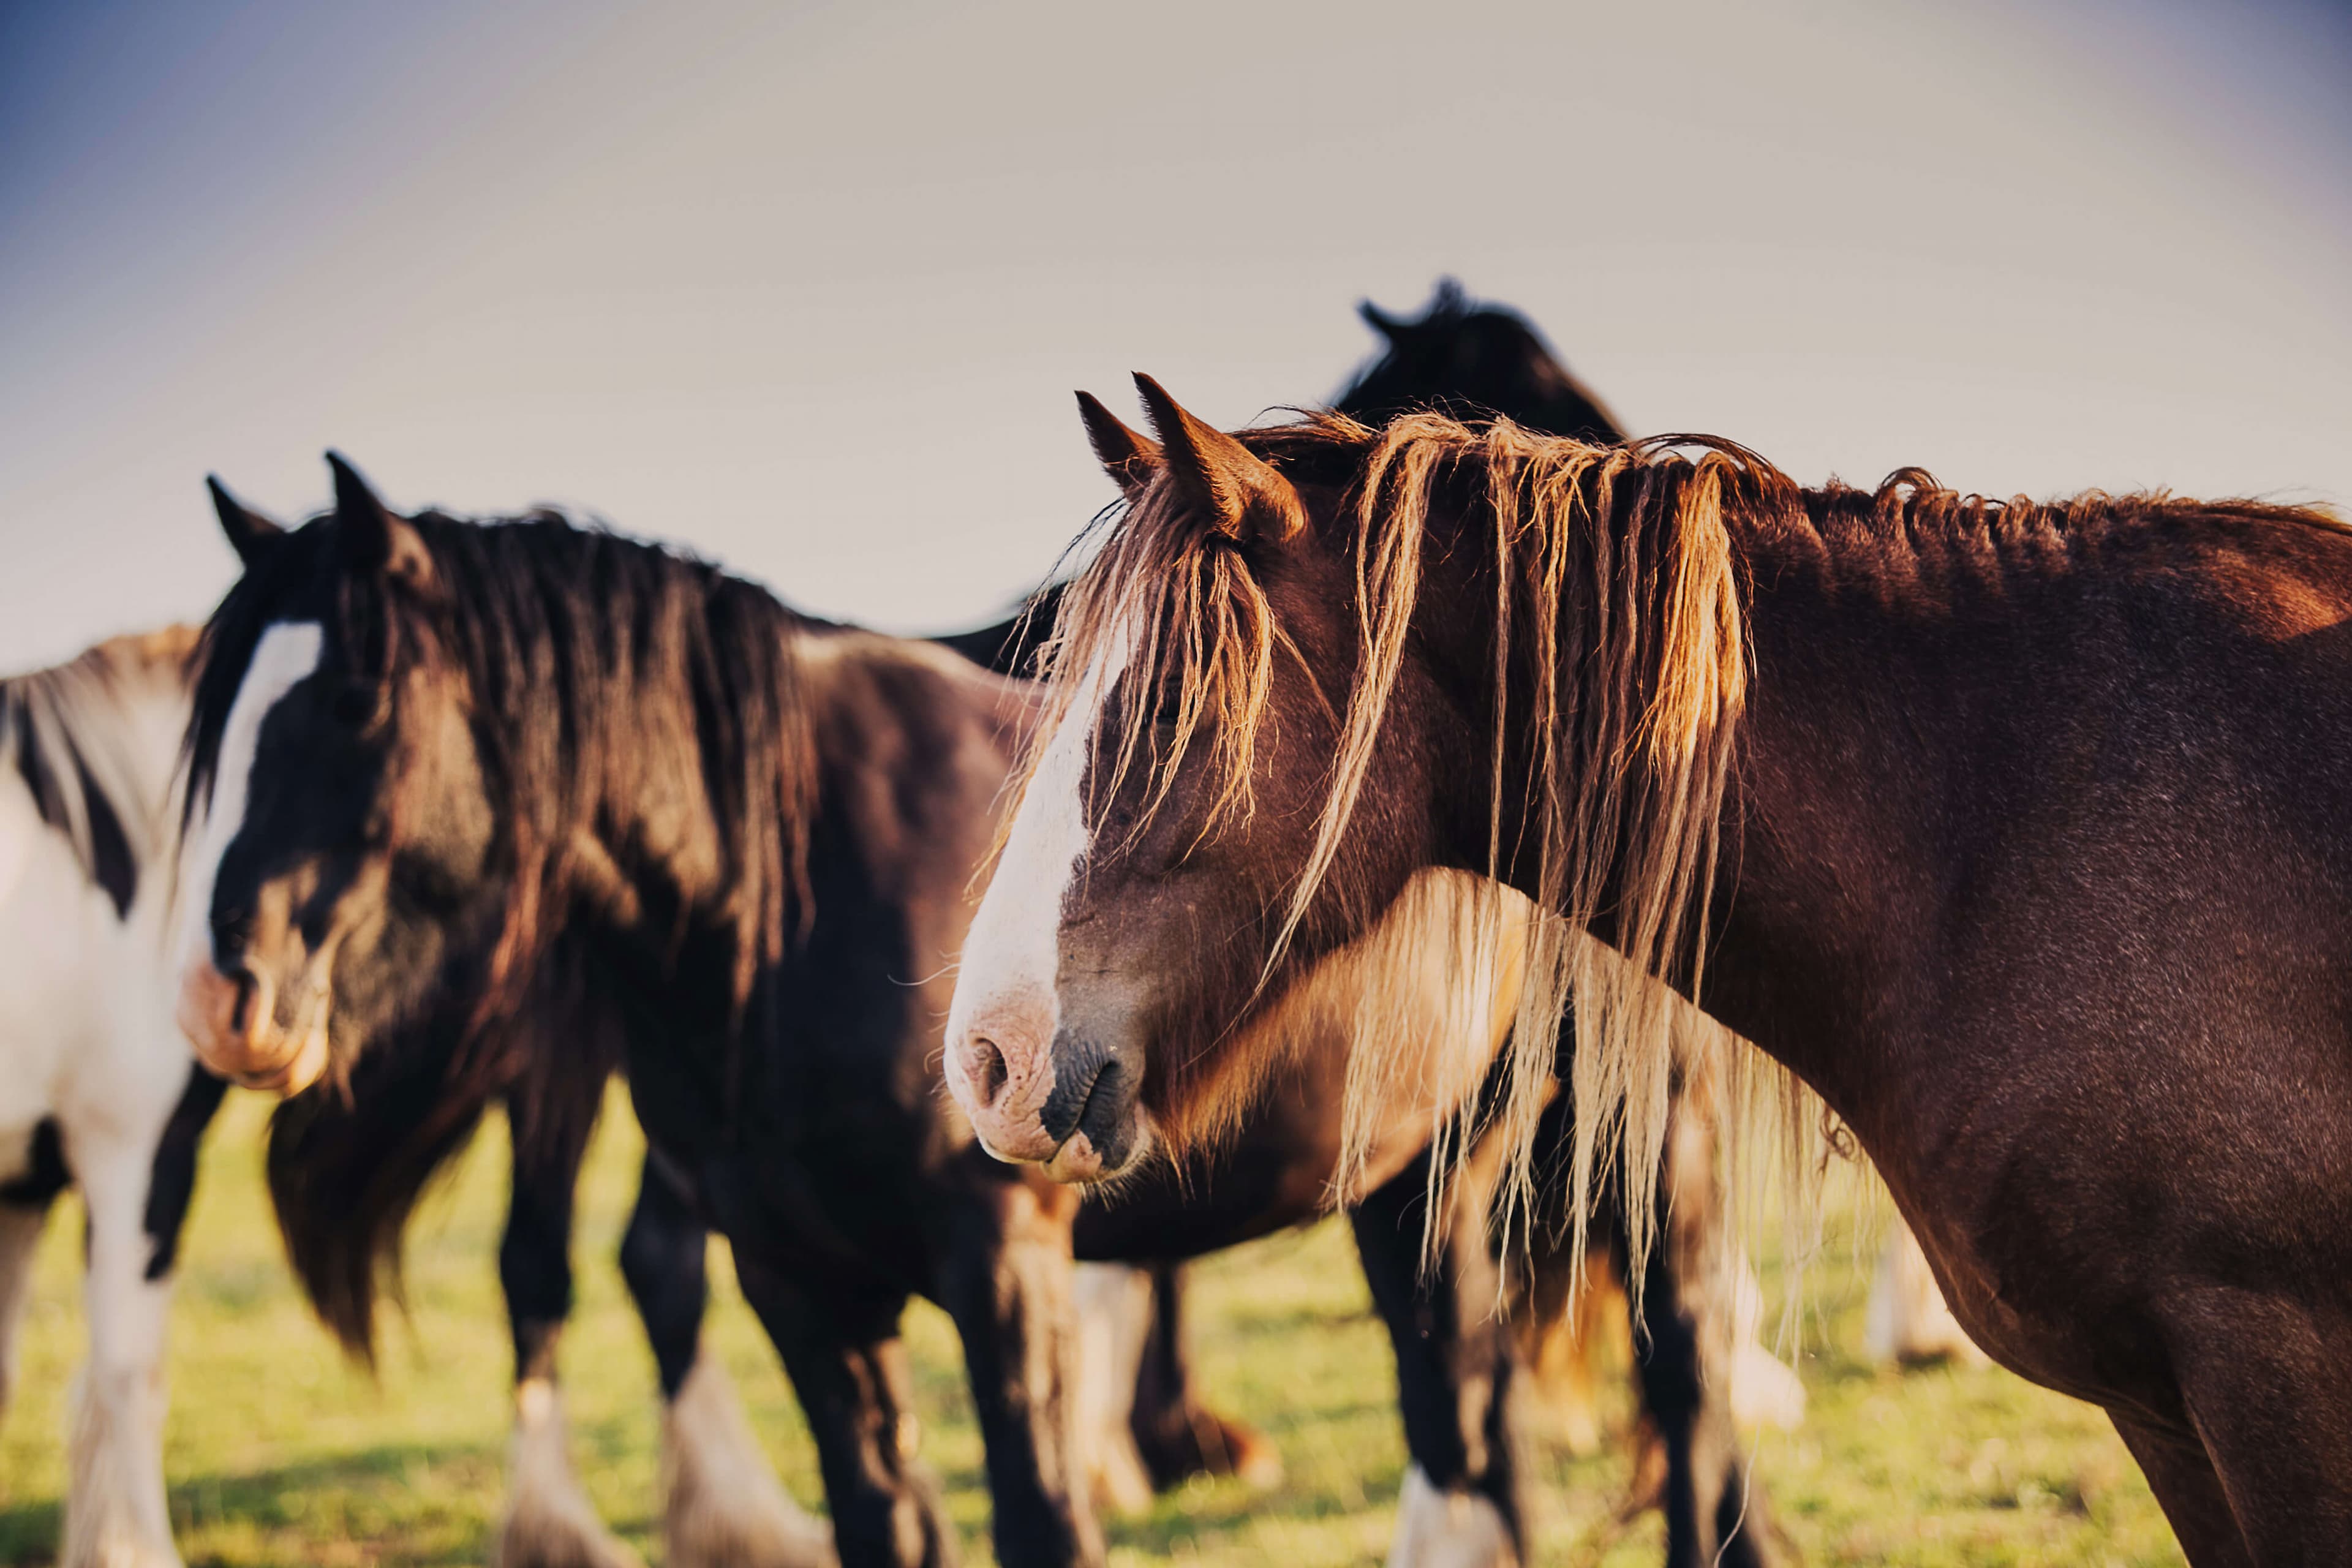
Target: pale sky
x,y
807,287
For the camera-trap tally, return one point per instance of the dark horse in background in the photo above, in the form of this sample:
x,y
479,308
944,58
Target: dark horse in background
x,y
2016,831
339,1224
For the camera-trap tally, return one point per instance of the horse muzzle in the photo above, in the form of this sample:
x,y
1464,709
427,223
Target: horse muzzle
x,y
1037,1097
232,1023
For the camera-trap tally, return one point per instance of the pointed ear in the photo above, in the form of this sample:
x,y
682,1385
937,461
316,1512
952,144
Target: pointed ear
x,y
250,535
374,538
1380,321
1133,460
1239,492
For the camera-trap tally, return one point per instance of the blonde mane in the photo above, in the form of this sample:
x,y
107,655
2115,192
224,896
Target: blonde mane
x,y
1618,615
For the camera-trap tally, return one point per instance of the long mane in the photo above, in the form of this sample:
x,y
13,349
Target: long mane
x,y
1617,589
602,671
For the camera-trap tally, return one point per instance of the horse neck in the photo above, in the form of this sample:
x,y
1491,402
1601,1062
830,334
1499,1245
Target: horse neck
x,y
1867,717
1811,923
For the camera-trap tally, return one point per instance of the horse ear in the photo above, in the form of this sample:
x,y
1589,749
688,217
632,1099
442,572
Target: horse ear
x,y
374,538
1133,460
250,535
1240,494
1380,321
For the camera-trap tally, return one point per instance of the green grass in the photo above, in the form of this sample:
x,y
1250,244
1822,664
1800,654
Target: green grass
x,y
279,1453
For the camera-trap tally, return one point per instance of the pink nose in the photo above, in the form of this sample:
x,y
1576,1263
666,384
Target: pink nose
x,y
232,1023
1001,1071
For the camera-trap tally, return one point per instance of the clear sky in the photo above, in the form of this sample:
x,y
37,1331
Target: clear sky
x,y
807,285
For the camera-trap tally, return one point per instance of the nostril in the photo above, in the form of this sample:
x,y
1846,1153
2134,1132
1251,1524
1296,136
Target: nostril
x,y
988,1071
248,988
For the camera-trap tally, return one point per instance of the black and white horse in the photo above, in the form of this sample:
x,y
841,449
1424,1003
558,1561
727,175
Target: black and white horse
x,y
96,1087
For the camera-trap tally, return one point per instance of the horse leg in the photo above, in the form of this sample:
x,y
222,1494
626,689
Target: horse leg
x,y
1178,1437
848,1368
2188,1489
1683,1344
1461,1505
25,1199
1116,1324
116,1515
550,1522
724,1508
1559,1328
2266,1383
1006,1279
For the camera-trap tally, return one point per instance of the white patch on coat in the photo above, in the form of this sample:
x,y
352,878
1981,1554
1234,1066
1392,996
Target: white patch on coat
x,y
549,1517
1114,1309
1005,980
1765,1391
115,1510
1448,1529
725,1509
287,655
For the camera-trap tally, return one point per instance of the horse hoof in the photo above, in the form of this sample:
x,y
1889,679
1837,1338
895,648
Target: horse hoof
x,y
725,1507
1255,1461
543,1540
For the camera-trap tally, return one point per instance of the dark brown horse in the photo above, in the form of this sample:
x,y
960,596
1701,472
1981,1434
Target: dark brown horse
x,y
2014,830
466,792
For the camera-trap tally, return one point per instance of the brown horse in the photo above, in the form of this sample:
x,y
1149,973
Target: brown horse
x,y
2015,831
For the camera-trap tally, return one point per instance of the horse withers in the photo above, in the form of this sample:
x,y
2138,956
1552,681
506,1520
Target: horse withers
x,y
2010,829
96,1087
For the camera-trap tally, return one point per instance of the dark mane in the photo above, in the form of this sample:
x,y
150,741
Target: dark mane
x,y
572,640
349,1161
602,671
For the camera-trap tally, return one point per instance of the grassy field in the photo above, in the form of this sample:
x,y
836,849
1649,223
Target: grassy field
x,y
281,1454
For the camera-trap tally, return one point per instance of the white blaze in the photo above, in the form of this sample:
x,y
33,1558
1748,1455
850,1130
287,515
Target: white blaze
x,y
287,655
1013,951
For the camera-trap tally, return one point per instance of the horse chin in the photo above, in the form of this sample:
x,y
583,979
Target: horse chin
x,y
301,1068
1081,1161
260,1056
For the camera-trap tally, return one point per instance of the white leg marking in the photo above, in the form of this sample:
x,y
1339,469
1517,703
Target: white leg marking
x,y
1448,1529
287,655
1907,1319
550,1522
20,1233
1765,1392
725,1509
1114,1311
1013,948
115,1510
